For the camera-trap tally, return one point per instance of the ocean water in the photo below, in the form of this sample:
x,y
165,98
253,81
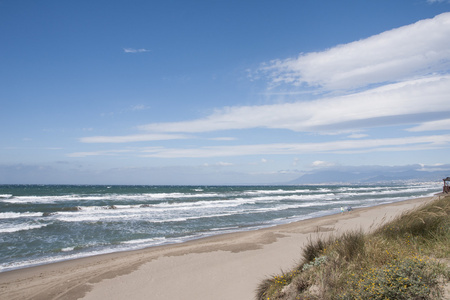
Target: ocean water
x,y
47,223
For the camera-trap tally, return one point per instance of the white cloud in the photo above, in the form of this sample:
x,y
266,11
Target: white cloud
x,y
224,164
132,138
132,50
355,111
218,164
322,164
139,107
402,76
397,54
357,136
434,167
345,146
98,153
433,125
223,139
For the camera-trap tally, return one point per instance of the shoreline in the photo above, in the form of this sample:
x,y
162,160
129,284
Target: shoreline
x,y
225,266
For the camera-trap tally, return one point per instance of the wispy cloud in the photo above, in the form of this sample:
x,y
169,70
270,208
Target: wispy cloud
x,y
342,146
132,50
417,49
345,146
376,107
357,136
225,138
139,107
433,125
401,76
322,164
218,164
132,138
98,153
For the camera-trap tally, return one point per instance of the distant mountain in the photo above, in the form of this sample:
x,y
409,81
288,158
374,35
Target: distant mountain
x,y
371,175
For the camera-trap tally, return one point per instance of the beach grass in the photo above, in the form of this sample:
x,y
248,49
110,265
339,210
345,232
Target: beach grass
x,y
406,258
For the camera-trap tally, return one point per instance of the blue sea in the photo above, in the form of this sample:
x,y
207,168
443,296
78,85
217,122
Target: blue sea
x,y
41,224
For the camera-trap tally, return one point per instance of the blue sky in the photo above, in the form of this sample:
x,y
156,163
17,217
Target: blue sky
x,y
220,92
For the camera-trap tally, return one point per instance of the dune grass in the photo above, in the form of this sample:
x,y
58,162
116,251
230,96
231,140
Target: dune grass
x,y
407,258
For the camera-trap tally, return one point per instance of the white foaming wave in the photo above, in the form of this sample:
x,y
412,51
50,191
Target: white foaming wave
x,y
204,204
183,219
226,202
126,215
5,196
297,191
275,192
7,228
162,196
224,228
152,241
95,217
95,214
389,192
299,205
67,249
107,208
284,207
275,208
368,188
14,215
409,187
378,201
199,208
37,199
105,197
149,196
294,197
164,206
284,192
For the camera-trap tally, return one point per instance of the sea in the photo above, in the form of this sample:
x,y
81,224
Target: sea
x,y
41,224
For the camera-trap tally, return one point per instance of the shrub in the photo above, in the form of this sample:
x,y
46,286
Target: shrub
x,y
409,278
350,245
263,289
271,288
430,221
314,249
314,263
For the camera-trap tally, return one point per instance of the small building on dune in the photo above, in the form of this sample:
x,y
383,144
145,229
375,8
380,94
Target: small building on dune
x,y
446,185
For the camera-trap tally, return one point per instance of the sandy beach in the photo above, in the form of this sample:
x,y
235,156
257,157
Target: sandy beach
x,y
227,266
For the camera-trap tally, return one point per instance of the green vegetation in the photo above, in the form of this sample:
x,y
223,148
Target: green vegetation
x,y
407,258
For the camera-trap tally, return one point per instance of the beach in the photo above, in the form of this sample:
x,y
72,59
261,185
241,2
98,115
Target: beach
x,y
227,266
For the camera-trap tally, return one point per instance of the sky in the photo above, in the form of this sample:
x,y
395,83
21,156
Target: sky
x,y
220,92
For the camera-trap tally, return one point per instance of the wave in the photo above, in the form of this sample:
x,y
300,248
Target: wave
x,y
198,193
153,241
387,192
108,197
15,215
8,228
